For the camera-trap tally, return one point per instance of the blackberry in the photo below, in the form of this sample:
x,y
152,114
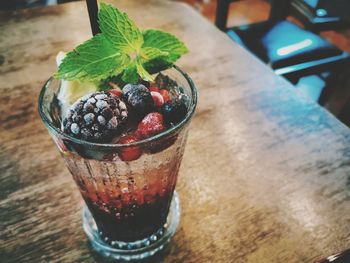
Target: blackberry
x,y
175,110
138,98
95,117
164,82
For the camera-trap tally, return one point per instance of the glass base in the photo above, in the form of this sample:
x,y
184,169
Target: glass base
x,y
136,250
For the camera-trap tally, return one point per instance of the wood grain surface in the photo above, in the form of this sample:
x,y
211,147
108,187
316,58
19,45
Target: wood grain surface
x,y
265,176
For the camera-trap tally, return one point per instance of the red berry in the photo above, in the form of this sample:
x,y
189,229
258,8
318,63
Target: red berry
x,y
116,91
157,99
154,88
130,153
165,95
152,124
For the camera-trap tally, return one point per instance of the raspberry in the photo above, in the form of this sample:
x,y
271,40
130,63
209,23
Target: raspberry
x,y
116,91
151,125
164,82
138,98
174,111
157,99
96,117
165,95
154,88
130,153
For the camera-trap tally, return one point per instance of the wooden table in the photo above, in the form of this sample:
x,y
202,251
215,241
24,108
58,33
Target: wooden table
x,y
265,176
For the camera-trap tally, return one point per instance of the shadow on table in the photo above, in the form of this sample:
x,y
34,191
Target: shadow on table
x,y
158,258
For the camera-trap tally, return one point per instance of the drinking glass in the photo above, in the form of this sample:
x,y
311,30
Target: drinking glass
x,y
131,210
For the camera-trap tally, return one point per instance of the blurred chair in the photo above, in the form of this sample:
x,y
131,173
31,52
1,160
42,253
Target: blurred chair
x,y
289,50
344,116
18,4
314,15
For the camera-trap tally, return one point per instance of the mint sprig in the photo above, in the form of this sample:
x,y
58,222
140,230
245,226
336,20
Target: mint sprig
x,y
121,49
119,29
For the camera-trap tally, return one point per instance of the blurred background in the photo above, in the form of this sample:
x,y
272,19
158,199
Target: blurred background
x,y
305,41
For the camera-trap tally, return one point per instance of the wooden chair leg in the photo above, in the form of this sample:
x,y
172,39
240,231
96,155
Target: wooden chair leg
x,y
327,91
292,79
344,115
222,14
337,92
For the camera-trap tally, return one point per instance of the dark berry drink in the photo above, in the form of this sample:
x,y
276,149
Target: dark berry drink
x,y
124,160
131,221
120,116
127,186
129,200
128,191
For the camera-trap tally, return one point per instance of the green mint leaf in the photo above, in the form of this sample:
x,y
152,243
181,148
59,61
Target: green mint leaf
x,y
93,60
136,69
150,59
149,53
143,72
121,50
130,74
156,65
164,42
119,29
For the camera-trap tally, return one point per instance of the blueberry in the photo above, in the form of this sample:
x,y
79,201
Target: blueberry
x,y
138,98
128,88
174,111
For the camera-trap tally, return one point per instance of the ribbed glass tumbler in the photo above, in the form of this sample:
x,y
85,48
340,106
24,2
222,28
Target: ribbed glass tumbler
x,y
131,209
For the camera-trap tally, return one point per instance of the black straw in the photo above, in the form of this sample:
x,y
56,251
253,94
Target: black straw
x,y
93,8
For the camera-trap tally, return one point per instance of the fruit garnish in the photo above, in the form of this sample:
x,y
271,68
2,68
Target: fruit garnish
x,y
115,91
165,95
129,153
152,124
138,98
174,111
164,82
157,99
153,88
95,117
121,49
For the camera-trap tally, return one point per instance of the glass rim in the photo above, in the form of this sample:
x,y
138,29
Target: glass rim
x,y
49,124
